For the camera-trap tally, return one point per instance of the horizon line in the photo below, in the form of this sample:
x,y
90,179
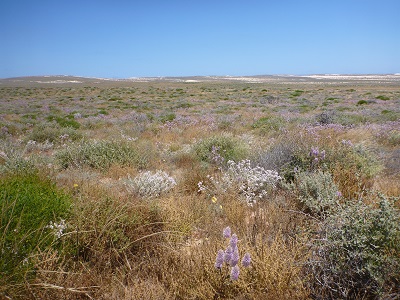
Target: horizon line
x,y
220,76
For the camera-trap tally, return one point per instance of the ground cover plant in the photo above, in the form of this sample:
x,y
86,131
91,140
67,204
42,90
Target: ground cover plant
x,y
199,189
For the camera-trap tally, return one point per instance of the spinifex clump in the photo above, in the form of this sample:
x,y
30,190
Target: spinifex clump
x,y
231,255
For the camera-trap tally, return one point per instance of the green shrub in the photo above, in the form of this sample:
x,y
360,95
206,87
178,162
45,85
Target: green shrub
x,y
357,255
219,149
53,133
28,204
65,122
271,123
103,154
352,119
316,192
167,118
381,97
296,93
362,102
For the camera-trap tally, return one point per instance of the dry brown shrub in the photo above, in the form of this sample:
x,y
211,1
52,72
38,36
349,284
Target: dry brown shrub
x,y
138,289
119,171
185,267
275,272
190,177
351,184
388,185
58,279
184,160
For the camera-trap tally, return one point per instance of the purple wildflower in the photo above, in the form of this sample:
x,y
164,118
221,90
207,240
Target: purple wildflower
x,y
235,273
227,232
219,261
235,258
314,151
246,261
228,254
234,240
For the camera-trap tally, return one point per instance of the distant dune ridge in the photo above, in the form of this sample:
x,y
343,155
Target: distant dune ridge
x,y
284,79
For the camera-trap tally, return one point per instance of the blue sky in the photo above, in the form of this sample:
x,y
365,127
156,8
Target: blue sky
x,y
123,39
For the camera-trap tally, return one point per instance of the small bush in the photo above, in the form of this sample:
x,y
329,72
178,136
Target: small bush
x,y
65,122
53,133
28,203
280,155
352,119
103,154
353,168
316,192
325,118
357,255
15,163
149,184
251,183
381,97
362,102
167,118
271,123
220,149
110,230
296,93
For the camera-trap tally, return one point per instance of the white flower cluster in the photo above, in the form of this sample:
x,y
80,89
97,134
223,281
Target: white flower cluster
x,y
150,184
57,228
253,183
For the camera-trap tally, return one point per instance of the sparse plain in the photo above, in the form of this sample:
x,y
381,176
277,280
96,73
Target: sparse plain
x,y
121,189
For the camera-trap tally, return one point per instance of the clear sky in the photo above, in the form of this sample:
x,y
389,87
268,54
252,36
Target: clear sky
x,y
120,39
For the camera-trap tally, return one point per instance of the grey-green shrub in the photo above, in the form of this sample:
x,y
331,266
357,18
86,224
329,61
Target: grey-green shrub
x,y
269,123
356,254
54,133
316,192
103,154
219,149
12,158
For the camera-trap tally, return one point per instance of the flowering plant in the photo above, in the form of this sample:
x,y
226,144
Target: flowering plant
x,y
253,183
230,256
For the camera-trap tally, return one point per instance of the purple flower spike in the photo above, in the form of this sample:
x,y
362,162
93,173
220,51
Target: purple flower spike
x,y
228,254
235,258
219,261
227,232
234,240
235,273
246,261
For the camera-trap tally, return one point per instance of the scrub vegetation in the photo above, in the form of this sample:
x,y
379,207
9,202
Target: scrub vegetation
x,y
199,190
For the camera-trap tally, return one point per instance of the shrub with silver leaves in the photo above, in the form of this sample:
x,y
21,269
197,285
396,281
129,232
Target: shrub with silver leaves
x,y
252,183
149,184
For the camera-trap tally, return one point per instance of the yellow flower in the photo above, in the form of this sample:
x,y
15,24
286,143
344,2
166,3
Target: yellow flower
x,y
75,185
220,206
214,199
